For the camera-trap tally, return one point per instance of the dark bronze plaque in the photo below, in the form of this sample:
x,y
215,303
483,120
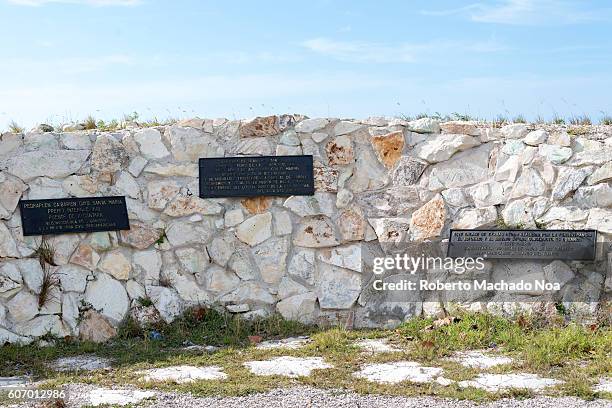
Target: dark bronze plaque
x,y
576,245
256,176
66,215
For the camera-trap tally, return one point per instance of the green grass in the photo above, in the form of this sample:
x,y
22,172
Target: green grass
x,y
572,353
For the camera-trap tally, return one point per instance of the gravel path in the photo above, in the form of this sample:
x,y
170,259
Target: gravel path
x,y
311,397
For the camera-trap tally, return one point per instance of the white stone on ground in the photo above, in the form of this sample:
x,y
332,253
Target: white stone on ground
x,y
87,363
13,381
184,374
395,372
288,343
376,346
496,382
604,385
287,366
107,396
478,359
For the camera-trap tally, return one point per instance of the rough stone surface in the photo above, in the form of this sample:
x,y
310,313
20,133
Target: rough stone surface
x,y
81,363
376,346
287,366
184,374
496,382
480,359
396,372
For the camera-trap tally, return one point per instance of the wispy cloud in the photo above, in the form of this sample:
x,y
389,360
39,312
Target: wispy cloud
x,y
371,52
528,12
95,3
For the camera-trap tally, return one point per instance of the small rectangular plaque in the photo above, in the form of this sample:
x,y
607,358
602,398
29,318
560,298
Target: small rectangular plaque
x,y
69,215
576,245
256,176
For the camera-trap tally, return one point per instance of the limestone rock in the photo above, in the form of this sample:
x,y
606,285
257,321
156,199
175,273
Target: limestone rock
x,y
325,178
367,174
256,229
302,265
260,127
474,218
282,223
560,139
108,155
558,272
428,221
340,151
337,288
568,180
8,246
161,192
140,235
424,125
282,150
390,229
189,144
81,186
529,184
508,169
299,308
487,194
193,260
182,206
11,189
233,217
128,185
518,214
351,224
115,263
73,278
555,154
256,205
455,197
108,296
536,138
173,170
31,273
95,328
408,171
221,249
249,292
54,164
311,125
255,146
570,214
343,198
318,204
290,138
44,187
315,232
347,257
444,146
288,287
388,148
270,258
460,127
600,220
602,174
166,301
150,143
599,195
181,233
513,147
514,131
10,280
220,280
345,127
23,306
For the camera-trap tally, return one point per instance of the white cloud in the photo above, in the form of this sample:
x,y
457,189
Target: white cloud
x,y
95,3
364,52
528,12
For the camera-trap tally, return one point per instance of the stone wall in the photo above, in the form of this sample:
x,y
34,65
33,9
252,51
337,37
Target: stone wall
x,y
378,181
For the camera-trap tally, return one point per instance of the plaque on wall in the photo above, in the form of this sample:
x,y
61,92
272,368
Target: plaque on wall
x,y
576,245
256,176
69,215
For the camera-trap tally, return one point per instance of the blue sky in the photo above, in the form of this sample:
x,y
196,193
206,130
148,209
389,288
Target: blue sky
x,y
62,60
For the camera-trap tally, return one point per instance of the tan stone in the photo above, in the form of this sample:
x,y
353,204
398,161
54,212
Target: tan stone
x,y
325,178
340,151
140,235
86,257
260,126
428,221
460,127
108,155
188,205
388,148
351,224
257,205
117,265
315,232
95,328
